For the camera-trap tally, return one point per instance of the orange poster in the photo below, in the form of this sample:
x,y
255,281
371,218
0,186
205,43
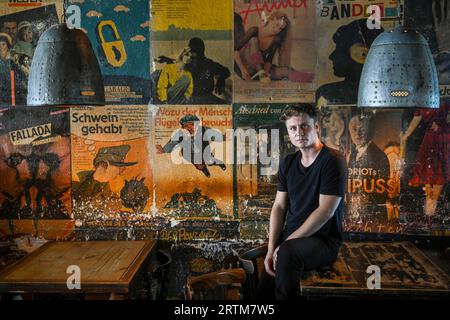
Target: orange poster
x,y
111,169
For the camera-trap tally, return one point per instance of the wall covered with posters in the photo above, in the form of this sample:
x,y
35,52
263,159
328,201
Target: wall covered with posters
x,y
189,143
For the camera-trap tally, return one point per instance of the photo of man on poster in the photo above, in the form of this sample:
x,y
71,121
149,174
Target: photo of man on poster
x,y
94,185
369,172
194,140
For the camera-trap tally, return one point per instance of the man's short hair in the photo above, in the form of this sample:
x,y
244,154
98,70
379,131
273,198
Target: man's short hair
x,y
298,109
188,118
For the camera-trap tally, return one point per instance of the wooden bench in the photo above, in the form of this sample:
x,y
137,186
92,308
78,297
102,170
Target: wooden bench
x,y
405,271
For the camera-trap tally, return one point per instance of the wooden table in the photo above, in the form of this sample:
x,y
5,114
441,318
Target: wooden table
x,y
405,272
108,268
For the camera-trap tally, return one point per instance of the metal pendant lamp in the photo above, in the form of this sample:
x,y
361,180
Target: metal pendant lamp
x,y
64,70
399,72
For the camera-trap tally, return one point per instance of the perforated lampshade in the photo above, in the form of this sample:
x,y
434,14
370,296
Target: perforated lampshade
x,y
64,70
399,72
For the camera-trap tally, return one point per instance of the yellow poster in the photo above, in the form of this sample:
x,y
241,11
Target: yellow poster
x,y
191,51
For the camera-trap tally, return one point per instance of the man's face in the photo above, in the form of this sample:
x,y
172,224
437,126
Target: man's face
x,y
358,132
10,27
107,172
303,131
190,127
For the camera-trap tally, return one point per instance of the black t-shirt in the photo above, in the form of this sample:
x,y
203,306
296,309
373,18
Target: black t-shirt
x,y
327,175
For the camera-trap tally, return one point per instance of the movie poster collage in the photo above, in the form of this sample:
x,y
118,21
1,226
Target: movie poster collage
x,y
189,142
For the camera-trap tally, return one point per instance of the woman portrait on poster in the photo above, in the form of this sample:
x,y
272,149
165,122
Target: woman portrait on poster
x,y
5,47
25,43
255,49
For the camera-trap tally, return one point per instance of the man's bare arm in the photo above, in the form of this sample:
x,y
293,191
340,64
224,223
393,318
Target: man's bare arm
x,y
277,216
324,212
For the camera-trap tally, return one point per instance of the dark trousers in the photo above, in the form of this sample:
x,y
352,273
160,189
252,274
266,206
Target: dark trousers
x,y
294,257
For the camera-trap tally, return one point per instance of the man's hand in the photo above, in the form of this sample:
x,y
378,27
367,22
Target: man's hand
x,y
274,257
270,262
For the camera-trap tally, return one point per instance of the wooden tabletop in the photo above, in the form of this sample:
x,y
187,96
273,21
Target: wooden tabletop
x,y
106,266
